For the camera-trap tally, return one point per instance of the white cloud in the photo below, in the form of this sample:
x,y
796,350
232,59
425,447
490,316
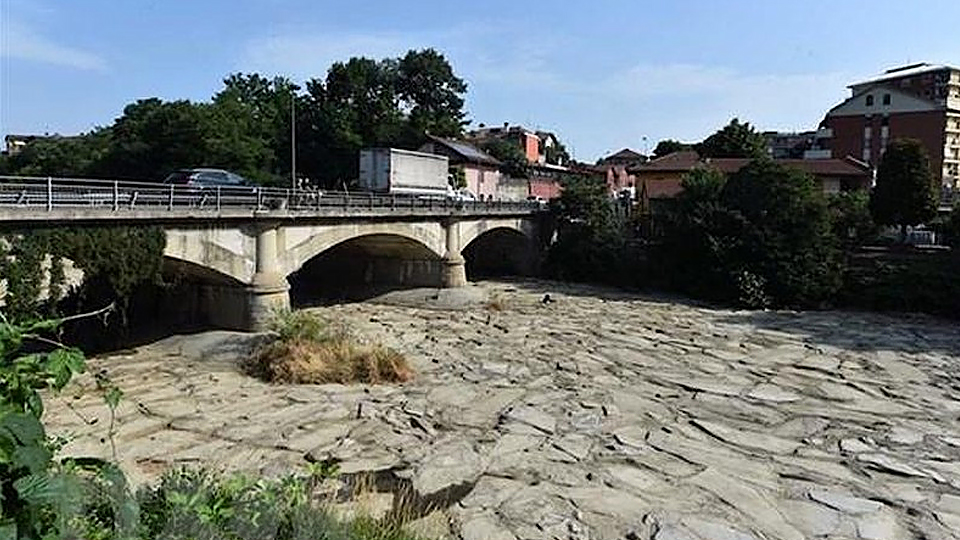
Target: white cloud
x,y
23,42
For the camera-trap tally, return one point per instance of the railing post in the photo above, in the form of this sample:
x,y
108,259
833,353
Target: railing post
x,y
170,200
49,194
259,198
218,198
116,196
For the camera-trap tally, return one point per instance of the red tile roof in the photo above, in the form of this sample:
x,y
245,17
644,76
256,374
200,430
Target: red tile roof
x,y
687,160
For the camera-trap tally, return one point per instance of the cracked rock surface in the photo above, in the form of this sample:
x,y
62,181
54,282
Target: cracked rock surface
x,y
597,415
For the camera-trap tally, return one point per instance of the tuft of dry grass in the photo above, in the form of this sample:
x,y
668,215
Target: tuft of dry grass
x,y
496,303
309,350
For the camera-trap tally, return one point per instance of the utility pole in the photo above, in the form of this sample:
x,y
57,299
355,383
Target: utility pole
x,y
293,139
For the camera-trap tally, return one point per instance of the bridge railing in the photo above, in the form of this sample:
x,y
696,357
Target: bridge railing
x,y
117,195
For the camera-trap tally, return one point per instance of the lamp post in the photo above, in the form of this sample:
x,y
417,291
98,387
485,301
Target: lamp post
x,y
293,138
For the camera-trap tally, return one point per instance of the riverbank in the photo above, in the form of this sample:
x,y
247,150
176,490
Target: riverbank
x,y
541,409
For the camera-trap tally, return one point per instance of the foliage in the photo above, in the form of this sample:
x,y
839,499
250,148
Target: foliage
x,y
312,350
246,127
41,497
905,193
669,146
556,154
513,162
114,261
762,237
457,177
853,225
951,228
61,156
591,242
735,140
203,504
903,281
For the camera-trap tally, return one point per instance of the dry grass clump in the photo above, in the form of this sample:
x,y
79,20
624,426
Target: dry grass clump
x,y
496,303
311,350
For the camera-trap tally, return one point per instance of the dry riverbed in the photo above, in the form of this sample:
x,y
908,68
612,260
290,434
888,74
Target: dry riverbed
x,y
595,415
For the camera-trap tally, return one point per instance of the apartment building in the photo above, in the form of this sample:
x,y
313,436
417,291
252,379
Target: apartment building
x,y
920,101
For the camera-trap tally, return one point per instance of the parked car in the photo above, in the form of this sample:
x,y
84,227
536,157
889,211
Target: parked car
x,y
461,195
206,178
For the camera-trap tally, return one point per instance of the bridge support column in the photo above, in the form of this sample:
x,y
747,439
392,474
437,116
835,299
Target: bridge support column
x,y
268,290
453,272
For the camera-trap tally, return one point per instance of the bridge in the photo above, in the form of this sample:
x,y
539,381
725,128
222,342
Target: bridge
x,y
240,250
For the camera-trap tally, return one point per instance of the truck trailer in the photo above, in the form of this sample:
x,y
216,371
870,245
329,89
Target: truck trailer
x,y
403,172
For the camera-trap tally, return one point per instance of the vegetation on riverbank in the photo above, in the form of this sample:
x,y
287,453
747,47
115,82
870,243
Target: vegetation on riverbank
x,y
43,496
308,349
765,236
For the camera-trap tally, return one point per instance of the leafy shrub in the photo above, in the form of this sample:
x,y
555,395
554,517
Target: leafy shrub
x,y
911,282
39,496
761,237
190,504
311,350
592,243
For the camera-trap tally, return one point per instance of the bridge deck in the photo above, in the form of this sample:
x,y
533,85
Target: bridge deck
x,y
37,200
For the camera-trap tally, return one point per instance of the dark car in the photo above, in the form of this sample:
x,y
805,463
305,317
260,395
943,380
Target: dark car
x,y
206,178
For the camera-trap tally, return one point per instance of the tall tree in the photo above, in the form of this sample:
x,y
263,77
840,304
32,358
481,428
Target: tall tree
x,y
906,192
428,87
735,140
154,137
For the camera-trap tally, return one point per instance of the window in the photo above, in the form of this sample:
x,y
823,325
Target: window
x,y
870,100
867,133
886,99
866,154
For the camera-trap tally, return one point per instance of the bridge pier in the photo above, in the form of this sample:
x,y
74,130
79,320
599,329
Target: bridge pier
x,y
268,291
453,272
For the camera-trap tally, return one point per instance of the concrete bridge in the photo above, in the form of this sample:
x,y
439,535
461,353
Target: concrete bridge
x,y
239,253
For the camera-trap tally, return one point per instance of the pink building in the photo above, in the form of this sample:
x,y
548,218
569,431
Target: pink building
x,y
482,170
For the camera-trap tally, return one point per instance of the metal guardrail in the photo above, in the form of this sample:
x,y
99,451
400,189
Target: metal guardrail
x,y
32,193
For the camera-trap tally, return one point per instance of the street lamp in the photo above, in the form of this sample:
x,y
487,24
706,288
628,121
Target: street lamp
x,y
293,138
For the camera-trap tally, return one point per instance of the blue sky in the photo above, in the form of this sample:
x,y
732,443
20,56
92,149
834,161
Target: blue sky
x,y
603,75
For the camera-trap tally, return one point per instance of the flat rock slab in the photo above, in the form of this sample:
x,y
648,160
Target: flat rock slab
x,y
600,414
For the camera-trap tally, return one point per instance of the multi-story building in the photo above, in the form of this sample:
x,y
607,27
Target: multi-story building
x,y
539,147
920,101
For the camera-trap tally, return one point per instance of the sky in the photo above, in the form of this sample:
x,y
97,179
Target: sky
x,y
603,75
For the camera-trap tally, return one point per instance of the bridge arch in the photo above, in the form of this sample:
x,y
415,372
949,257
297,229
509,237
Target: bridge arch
x,y
500,251
300,244
471,230
228,252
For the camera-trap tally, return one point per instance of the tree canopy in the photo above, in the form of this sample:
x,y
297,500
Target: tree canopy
x,y
735,140
905,193
669,146
762,237
246,126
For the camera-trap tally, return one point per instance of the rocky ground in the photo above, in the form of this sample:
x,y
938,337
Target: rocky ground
x,y
595,415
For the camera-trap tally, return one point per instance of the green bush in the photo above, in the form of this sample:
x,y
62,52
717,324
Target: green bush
x,y
761,237
592,237
907,281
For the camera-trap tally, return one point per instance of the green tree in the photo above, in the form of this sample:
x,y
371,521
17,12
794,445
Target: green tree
x,y
431,91
75,156
906,192
852,223
762,237
735,140
154,137
669,146
513,162
591,236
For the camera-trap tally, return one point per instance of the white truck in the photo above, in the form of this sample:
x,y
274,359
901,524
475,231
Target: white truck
x,y
403,172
